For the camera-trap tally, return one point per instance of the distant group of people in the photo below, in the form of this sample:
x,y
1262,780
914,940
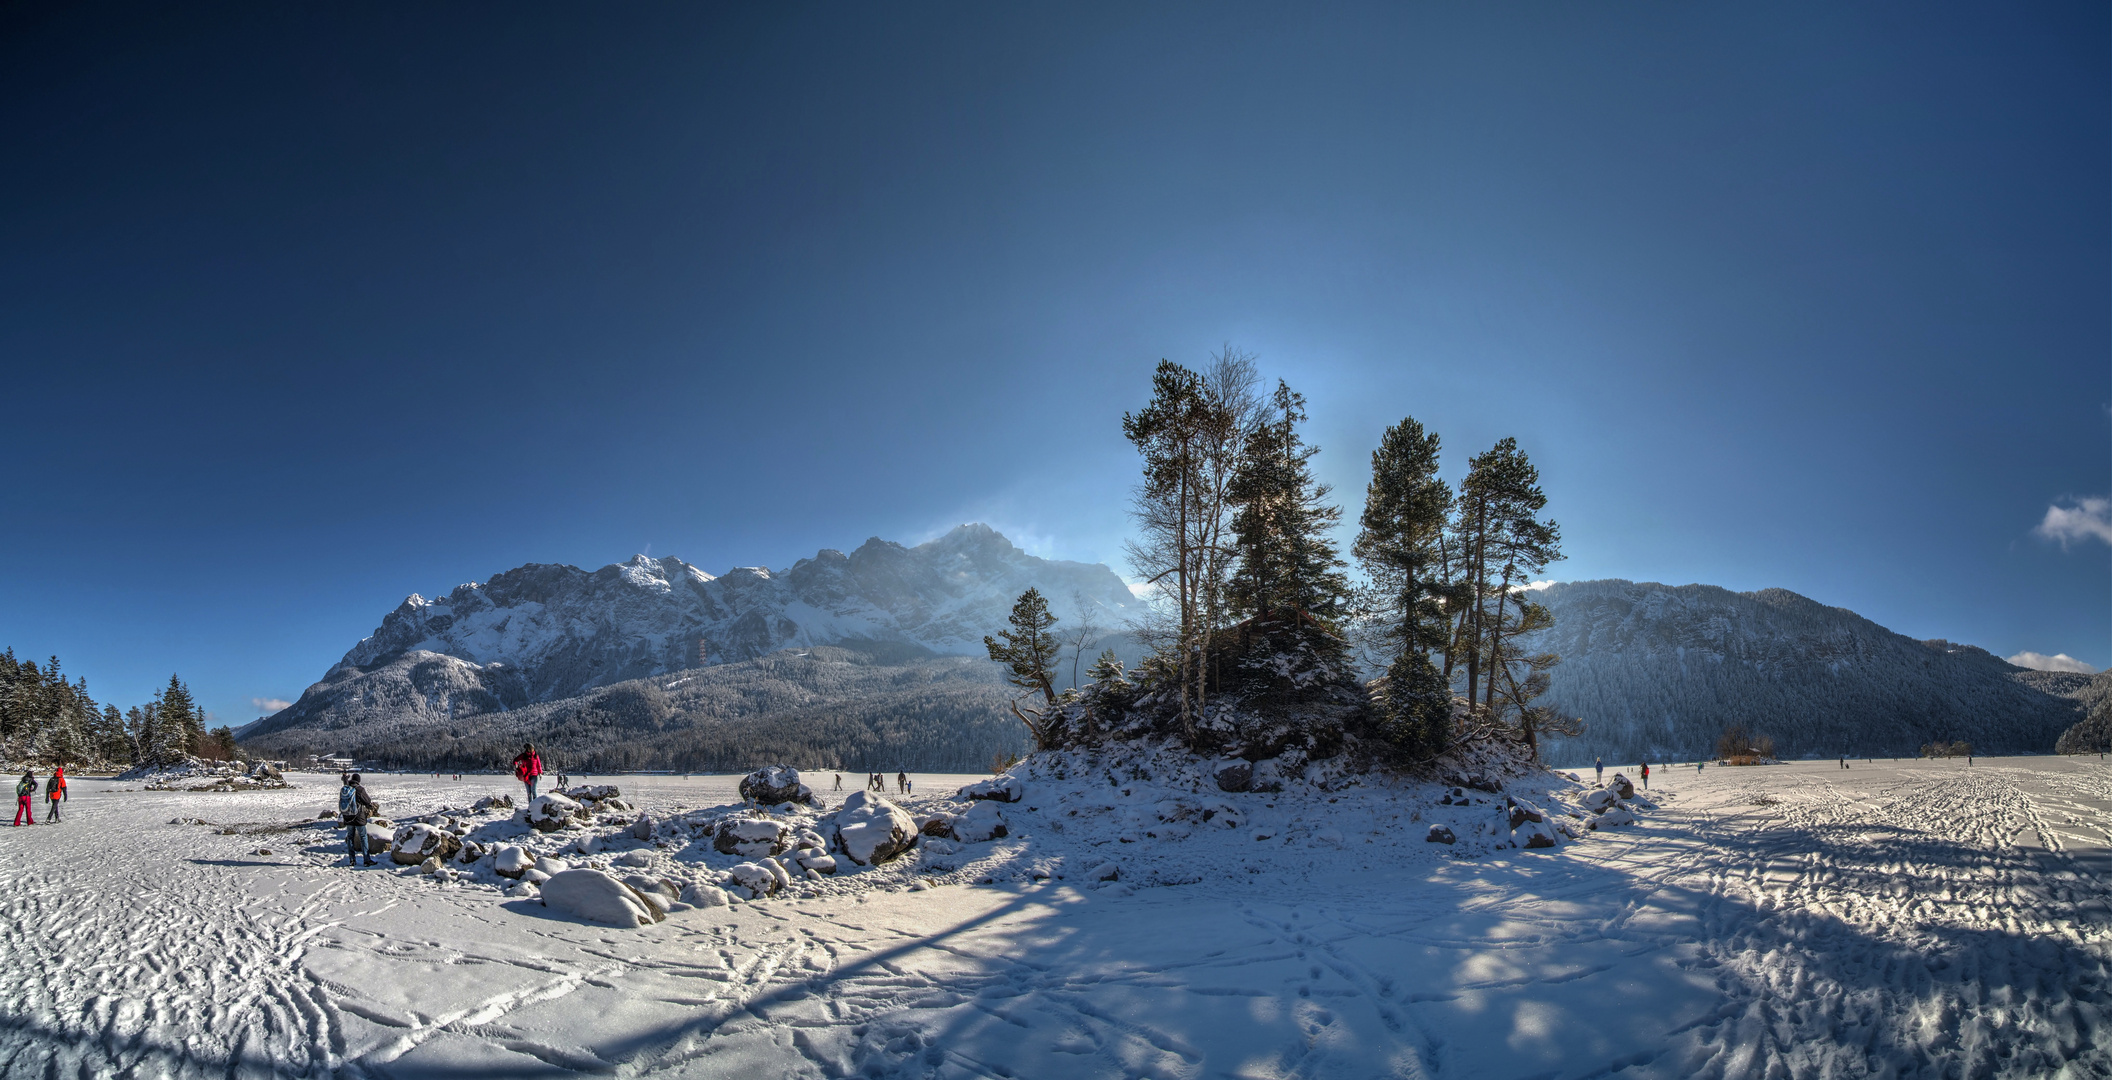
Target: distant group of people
x,y
1600,764
878,782
26,793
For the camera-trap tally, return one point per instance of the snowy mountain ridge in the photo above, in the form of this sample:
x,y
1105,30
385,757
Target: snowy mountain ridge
x,y
1658,671
545,632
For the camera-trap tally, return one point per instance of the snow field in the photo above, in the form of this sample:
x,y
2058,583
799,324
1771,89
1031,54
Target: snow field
x,y
1917,919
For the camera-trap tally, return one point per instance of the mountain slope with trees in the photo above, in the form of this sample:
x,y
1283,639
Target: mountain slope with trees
x,y
1660,671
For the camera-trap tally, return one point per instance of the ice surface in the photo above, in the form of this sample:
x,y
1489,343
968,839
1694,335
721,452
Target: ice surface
x,y
1910,919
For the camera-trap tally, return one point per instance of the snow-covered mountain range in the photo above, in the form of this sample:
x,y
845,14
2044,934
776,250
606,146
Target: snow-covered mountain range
x,y
543,632
1658,671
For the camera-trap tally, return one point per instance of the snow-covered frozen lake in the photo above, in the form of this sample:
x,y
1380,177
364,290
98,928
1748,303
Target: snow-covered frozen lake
x,y
1908,919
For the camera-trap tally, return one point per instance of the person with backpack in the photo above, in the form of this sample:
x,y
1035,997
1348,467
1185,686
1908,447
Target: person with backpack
x,y
54,794
355,806
25,791
528,768
1646,776
901,783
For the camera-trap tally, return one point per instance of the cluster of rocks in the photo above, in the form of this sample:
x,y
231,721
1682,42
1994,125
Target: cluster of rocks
x,y
186,775
1525,825
588,851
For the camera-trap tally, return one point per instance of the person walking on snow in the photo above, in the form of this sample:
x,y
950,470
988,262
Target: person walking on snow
x,y
527,768
354,805
25,791
901,783
1600,764
54,794
839,781
1646,776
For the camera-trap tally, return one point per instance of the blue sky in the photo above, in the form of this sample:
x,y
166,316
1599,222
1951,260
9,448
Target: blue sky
x,y
304,309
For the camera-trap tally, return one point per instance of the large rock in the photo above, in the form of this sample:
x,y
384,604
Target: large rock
x,y
1619,815
757,879
869,829
597,897
549,813
379,837
1235,778
1522,812
1622,786
1441,834
776,784
981,822
751,838
511,860
413,844
1005,788
1536,834
1600,801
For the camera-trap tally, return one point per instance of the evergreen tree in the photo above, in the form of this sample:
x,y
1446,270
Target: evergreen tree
x,y
1190,436
1029,652
174,718
1502,543
1107,671
1287,561
1402,549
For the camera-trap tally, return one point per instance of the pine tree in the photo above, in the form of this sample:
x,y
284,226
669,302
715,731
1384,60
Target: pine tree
x,y
1502,543
1107,671
1190,436
1029,652
1287,561
175,717
1402,549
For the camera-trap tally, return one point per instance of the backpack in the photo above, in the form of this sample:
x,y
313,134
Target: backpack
x,y
52,787
26,788
347,801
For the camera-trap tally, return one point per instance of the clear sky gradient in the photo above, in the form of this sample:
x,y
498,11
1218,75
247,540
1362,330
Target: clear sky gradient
x,y
307,307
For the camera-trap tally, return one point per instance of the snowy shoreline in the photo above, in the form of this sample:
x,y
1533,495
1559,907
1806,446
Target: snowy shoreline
x,y
1919,918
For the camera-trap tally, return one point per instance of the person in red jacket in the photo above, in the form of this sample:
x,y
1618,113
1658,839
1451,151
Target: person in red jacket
x,y
54,794
528,768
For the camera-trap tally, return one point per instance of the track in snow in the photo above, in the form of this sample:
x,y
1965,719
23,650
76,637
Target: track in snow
x,y
1923,919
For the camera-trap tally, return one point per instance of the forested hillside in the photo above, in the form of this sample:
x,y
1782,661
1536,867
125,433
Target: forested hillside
x,y
880,706
1659,671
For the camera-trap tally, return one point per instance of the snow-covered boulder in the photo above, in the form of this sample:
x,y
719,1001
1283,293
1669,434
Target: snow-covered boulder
x,y
374,838
871,830
1236,777
939,824
635,859
776,784
751,838
1535,834
821,862
1600,801
597,897
758,879
642,829
1106,871
549,813
266,770
698,894
491,802
1622,786
1441,834
981,822
659,892
511,860
1522,812
1619,815
414,844
1005,788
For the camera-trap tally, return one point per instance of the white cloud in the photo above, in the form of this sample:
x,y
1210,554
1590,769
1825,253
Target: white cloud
x,y
269,704
2056,662
2090,517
